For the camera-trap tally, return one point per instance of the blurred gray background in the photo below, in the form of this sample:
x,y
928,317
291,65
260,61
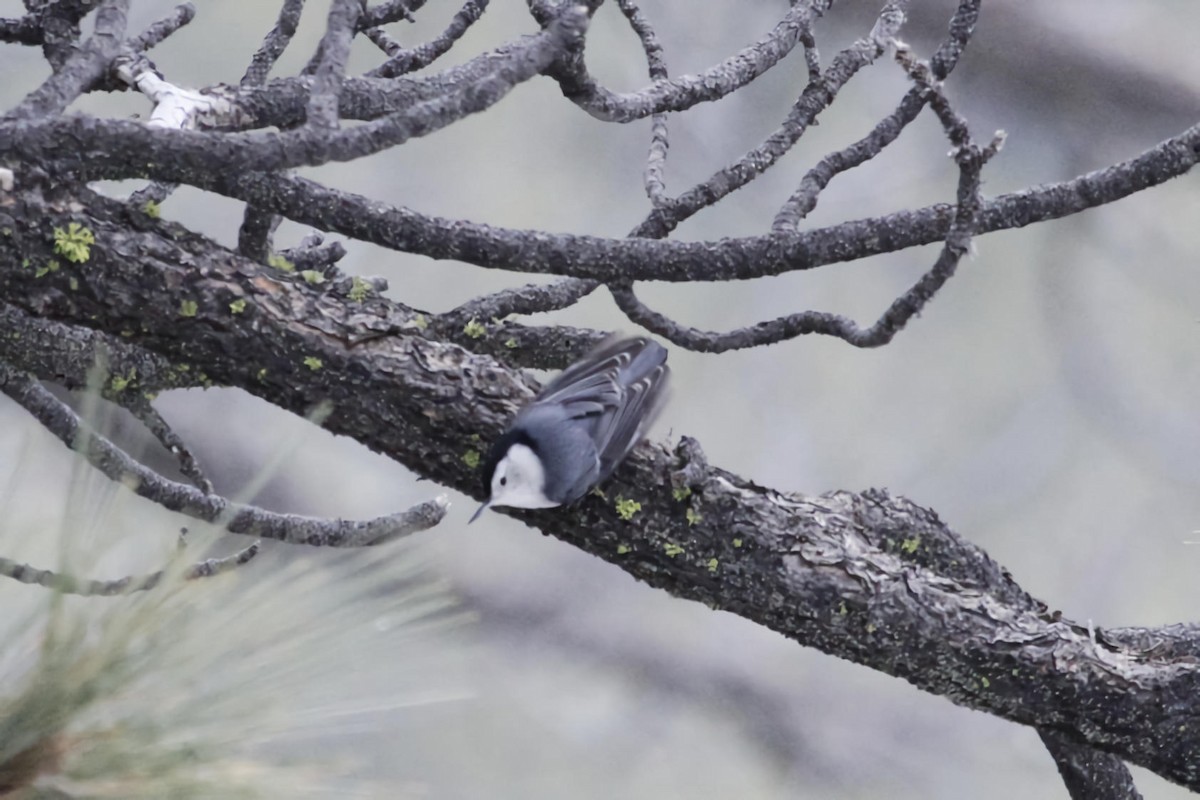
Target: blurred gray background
x,y
1043,404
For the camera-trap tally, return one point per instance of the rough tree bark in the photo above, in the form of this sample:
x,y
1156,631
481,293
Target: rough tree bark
x,y
869,577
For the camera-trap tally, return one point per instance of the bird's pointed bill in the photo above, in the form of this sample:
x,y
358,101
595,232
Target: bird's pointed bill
x,y
475,516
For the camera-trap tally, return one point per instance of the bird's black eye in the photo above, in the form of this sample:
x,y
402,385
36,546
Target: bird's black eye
x,y
504,481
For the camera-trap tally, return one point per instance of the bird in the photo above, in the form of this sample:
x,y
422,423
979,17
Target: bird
x,y
576,431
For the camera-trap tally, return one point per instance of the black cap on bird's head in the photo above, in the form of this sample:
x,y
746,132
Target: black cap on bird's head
x,y
499,448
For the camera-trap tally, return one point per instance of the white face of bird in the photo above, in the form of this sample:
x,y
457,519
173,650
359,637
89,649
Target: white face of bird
x,y
519,480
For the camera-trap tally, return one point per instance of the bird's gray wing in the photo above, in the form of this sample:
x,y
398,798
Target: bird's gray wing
x,y
595,377
567,450
600,407
618,432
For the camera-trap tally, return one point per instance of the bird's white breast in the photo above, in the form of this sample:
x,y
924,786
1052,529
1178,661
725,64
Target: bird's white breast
x,y
524,480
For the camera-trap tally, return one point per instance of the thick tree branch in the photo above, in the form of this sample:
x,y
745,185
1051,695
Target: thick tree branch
x,y
617,260
867,577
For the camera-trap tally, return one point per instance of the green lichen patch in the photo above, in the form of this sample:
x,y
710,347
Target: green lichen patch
x,y
737,542
313,363
713,565
693,516
50,266
475,329
622,549
119,383
681,493
627,508
471,459
672,549
359,290
280,263
188,308
511,343
910,545
238,306
420,322
74,243
312,276
152,209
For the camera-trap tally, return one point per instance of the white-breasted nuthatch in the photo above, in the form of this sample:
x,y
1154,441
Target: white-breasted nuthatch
x,y
579,428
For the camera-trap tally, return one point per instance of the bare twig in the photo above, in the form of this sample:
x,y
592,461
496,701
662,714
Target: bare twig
x,y
528,299
327,77
22,30
814,99
275,42
886,131
402,62
971,160
68,584
235,517
1088,773
389,11
81,69
159,31
148,415
656,158
678,94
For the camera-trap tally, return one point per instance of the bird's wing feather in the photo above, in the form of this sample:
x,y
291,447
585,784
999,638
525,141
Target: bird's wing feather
x,y
594,377
620,431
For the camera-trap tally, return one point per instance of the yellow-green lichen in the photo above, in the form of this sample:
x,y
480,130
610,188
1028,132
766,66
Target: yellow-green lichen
x,y
420,322
280,263
262,374
910,545
51,266
627,508
152,209
713,564
238,306
475,329
471,458
74,243
737,542
622,549
313,363
359,290
681,493
986,683
672,549
693,516
118,383
871,628
596,490
188,308
73,282
511,344
841,609
312,276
